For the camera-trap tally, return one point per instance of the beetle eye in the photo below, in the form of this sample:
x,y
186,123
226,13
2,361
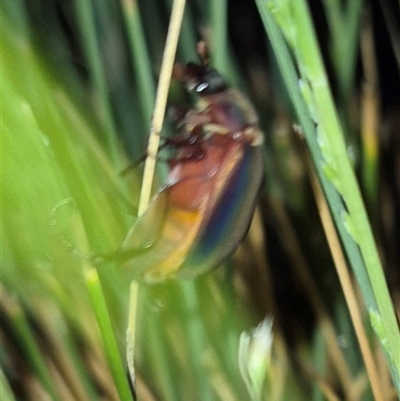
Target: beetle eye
x,y
203,80
202,87
212,83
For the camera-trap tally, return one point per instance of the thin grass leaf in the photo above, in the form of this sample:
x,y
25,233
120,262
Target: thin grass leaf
x,y
86,20
110,345
6,392
189,34
219,29
140,57
196,337
23,332
370,115
344,23
319,359
331,161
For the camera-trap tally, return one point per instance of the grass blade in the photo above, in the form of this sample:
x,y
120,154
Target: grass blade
x,y
313,102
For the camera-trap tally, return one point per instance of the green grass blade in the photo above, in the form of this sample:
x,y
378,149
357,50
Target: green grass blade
x,y
344,23
140,58
26,338
188,37
219,27
313,102
195,338
5,390
89,37
110,344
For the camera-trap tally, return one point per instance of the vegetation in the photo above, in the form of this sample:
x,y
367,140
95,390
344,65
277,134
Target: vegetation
x,y
302,310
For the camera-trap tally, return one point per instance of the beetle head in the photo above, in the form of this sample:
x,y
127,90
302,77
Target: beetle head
x,y
203,80
200,78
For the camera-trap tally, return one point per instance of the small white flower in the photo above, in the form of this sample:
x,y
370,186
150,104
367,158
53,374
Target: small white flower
x,y
255,355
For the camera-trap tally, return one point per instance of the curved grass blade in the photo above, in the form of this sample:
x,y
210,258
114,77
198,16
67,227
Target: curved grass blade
x,y
315,110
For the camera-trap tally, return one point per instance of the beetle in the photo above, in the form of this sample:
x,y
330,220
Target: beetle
x,y
203,210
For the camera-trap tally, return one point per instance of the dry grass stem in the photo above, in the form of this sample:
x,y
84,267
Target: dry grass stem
x,y
167,65
347,286
161,101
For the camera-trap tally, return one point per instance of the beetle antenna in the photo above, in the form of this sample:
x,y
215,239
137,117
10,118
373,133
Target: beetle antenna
x,y
203,53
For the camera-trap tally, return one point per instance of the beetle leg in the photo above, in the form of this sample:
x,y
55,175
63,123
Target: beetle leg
x,y
195,118
177,114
